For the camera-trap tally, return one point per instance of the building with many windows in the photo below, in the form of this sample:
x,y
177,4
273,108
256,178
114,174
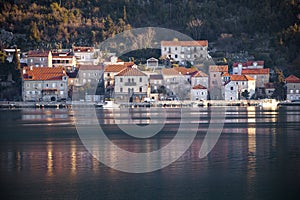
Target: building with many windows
x,y
235,85
292,88
39,59
185,50
44,84
131,85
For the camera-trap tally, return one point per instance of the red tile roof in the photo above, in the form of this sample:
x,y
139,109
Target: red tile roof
x,y
83,49
200,74
292,79
256,71
248,63
199,87
90,67
117,67
43,73
241,78
185,71
38,53
225,74
218,68
170,72
185,43
131,72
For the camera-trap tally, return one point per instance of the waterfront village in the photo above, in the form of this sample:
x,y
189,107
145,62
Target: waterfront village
x,y
56,75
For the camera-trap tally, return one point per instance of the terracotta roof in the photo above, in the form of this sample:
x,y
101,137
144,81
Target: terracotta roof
x,y
38,53
170,72
43,73
249,63
292,79
185,71
200,74
70,57
131,72
241,78
199,87
185,43
118,68
83,49
218,68
90,67
226,74
256,71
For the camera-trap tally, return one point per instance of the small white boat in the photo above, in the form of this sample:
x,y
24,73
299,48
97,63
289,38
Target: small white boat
x,y
110,104
269,103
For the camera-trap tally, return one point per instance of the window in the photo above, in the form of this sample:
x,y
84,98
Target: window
x,y
61,92
297,91
129,80
121,89
231,88
176,56
84,74
53,85
291,91
47,85
141,79
215,75
108,74
121,80
175,48
141,89
132,80
61,85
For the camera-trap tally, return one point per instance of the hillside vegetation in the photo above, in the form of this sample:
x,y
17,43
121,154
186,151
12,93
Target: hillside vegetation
x,y
267,29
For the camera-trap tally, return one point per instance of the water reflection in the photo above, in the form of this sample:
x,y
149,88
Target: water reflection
x,y
257,156
50,165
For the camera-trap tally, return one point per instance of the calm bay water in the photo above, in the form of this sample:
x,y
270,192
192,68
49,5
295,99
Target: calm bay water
x,y
256,157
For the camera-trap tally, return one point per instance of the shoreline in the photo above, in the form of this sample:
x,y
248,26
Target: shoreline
x,y
173,104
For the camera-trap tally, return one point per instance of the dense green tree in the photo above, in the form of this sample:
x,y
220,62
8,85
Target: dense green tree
x,y
279,92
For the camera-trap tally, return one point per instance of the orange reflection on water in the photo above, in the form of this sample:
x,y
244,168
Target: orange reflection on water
x,y
73,156
49,159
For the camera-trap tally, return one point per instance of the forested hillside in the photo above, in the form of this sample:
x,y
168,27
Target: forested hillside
x,y
266,28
